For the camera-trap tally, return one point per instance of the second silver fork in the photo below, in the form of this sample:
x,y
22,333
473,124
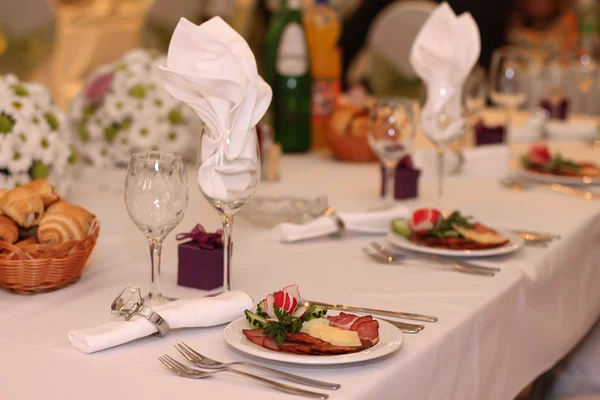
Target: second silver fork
x,y
204,362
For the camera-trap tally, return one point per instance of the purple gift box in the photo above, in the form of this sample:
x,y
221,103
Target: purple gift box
x,y
489,134
406,182
559,111
200,259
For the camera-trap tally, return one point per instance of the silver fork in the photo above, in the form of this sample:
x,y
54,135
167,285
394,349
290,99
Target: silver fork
x,y
204,362
187,372
401,259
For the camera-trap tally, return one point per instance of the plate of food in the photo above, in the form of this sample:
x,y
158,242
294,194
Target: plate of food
x,y
540,165
283,329
455,235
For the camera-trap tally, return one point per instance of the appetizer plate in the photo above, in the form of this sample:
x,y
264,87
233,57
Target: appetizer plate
x,y
561,180
390,340
514,244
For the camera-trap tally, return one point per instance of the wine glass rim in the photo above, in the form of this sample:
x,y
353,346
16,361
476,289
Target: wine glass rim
x,y
152,155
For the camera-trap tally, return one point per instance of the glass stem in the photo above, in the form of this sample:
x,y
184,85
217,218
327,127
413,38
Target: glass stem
x,y
227,250
441,156
390,187
155,252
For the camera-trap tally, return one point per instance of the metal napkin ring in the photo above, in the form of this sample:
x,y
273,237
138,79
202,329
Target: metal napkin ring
x,y
130,303
330,212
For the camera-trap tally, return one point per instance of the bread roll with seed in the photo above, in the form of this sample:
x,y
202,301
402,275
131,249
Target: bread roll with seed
x,y
23,205
46,191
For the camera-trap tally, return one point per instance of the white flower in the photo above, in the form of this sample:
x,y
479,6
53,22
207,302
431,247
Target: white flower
x,y
16,179
117,108
41,97
21,160
6,152
178,138
46,148
94,130
145,134
99,154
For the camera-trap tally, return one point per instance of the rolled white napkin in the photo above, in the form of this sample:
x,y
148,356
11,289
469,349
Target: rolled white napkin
x,y
366,222
573,129
442,55
196,313
426,161
211,68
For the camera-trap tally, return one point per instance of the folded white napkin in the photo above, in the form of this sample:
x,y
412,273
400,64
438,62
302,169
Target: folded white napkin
x,y
573,129
442,55
197,313
527,128
211,68
366,222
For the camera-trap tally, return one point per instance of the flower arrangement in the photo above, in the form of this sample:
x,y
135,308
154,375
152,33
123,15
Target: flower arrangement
x,y
125,108
34,135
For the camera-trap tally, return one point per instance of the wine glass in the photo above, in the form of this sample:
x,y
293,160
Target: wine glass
x,y
227,180
391,133
507,79
555,80
585,71
474,91
156,196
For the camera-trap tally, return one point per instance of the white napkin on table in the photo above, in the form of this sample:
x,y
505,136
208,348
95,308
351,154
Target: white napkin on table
x,y
365,222
212,69
443,54
196,313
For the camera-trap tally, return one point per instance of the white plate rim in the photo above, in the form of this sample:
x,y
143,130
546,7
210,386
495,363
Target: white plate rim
x,y
515,244
391,339
561,180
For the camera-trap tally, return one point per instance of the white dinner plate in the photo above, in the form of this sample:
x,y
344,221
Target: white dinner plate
x,y
561,180
390,340
514,244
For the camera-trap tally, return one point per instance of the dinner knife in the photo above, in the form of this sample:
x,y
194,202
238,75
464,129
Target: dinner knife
x,y
397,314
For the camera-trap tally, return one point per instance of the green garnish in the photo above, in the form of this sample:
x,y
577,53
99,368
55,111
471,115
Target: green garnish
x,y
444,227
285,324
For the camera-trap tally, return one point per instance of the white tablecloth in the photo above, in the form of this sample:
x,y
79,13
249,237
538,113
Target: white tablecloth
x,y
494,335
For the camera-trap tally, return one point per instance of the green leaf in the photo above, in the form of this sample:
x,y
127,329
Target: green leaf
x,y
20,90
52,120
39,170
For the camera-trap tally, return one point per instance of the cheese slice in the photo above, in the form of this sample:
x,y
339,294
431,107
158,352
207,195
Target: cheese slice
x,y
314,322
480,237
345,338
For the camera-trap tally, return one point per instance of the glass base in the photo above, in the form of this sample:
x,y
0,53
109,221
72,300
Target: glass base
x,y
157,299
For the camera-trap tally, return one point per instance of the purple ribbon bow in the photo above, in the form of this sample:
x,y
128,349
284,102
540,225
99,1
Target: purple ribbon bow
x,y
204,240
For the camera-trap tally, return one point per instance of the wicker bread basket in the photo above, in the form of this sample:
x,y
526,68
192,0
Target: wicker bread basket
x,y
39,268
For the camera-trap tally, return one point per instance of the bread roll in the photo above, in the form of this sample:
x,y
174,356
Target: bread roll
x,y
63,222
9,231
23,205
46,191
2,193
26,242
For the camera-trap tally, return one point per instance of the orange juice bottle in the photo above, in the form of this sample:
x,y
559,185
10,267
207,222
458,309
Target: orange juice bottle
x,y
322,26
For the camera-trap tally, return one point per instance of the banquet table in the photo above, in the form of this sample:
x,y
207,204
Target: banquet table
x,y
493,337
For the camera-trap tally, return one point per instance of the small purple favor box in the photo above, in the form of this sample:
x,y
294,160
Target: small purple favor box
x,y
406,182
198,267
489,134
559,111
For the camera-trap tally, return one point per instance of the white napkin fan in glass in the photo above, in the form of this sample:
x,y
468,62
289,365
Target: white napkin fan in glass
x,y
211,68
443,54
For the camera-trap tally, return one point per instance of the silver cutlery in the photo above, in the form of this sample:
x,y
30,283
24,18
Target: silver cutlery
x,y
397,314
192,373
519,185
535,236
404,258
204,362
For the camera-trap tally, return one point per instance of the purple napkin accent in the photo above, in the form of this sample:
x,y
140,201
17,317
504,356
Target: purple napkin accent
x,y
406,182
489,134
200,259
559,112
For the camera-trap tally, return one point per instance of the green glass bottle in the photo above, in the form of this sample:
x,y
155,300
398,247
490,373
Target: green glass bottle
x,y
272,42
292,85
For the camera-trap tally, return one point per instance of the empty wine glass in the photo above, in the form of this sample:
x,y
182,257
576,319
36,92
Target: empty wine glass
x,y
391,134
474,92
507,79
554,77
585,71
228,178
156,196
